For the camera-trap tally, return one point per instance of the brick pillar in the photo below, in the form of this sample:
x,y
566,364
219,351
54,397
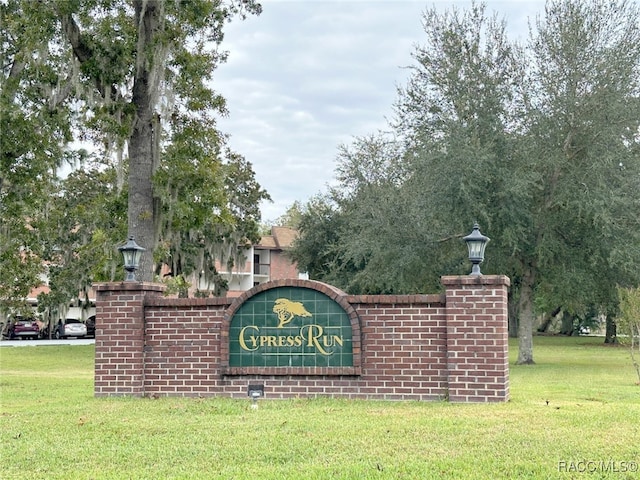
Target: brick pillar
x,y
477,338
119,361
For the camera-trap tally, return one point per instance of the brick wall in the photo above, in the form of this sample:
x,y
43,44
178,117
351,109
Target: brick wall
x,y
408,347
477,338
282,266
120,337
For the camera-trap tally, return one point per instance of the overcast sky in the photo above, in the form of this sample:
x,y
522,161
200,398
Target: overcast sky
x,y
309,75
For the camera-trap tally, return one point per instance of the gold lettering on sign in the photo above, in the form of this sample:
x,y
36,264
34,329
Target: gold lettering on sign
x,y
315,338
252,339
311,336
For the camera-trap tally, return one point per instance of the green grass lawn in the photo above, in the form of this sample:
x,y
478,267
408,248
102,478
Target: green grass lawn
x,y
575,414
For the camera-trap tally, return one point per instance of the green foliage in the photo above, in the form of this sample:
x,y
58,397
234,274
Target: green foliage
x,y
34,127
538,143
628,322
291,218
134,81
318,249
587,59
579,385
210,202
177,286
629,319
78,231
20,272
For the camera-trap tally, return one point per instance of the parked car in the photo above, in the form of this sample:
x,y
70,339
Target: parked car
x,y
22,328
91,326
71,328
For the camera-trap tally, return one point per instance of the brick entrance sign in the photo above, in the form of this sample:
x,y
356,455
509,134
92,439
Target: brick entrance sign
x,y
301,338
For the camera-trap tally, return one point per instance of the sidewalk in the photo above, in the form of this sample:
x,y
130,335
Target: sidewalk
x,y
37,343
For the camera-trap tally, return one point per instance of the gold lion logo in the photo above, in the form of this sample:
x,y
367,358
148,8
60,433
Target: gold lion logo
x,y
287,310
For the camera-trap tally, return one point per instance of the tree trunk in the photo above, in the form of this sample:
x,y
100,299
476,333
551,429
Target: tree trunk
x,y
142,154
567,324
548,319
513,316
526,319
611,330
142,151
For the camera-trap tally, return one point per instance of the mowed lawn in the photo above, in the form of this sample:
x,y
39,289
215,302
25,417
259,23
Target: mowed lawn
x,y
575,414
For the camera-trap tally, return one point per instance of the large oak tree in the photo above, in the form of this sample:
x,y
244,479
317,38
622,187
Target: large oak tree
x,y
539,143
132,83
148,66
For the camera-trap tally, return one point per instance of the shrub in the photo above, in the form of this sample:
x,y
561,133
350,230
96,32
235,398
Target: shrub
x,y
629,322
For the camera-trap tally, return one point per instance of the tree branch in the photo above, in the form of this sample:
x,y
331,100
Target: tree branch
x,y
81,50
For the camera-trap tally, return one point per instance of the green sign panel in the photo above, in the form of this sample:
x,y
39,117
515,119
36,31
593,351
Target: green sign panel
x,y
290,327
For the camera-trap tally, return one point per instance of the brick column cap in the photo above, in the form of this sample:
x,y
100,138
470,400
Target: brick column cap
x,y
129,287
461,280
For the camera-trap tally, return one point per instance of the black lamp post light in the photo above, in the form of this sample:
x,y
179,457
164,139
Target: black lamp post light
x,y
131,252
476,243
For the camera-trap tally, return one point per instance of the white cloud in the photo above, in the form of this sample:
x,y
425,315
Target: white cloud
x,y
307,76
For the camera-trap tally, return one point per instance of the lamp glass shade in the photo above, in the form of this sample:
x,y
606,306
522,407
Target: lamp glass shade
x,y
131,253
131,258
476,243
